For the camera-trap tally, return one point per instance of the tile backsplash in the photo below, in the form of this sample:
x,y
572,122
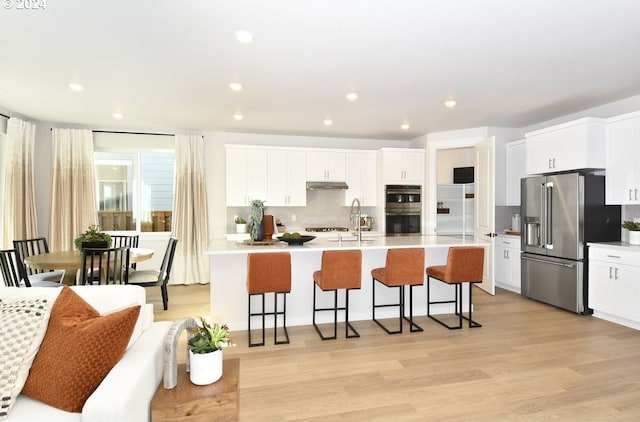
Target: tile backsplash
x,y
324,208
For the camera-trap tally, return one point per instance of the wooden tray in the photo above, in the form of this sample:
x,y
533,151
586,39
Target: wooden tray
x,y
259,242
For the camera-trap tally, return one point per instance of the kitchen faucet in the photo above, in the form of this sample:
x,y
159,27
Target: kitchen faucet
x,y
357,214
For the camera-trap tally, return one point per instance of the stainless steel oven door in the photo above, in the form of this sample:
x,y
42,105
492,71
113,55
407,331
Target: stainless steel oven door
x,y
403,223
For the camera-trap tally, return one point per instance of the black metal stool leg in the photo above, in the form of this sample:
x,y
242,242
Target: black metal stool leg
x,y
284,318
261,314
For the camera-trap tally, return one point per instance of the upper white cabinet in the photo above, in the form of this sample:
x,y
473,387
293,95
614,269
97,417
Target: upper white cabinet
x,y
516,162
569,146
286,170
402,165
246,175
361,178
623,150
326,166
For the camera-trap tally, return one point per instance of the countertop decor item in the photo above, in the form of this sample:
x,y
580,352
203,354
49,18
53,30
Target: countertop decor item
x,y
256,217
295,240
93,238
634,231
205,351
241,225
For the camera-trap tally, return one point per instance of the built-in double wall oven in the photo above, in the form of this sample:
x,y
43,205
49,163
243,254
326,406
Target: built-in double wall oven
x,y
403,209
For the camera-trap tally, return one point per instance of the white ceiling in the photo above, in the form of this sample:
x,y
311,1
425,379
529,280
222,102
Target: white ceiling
x,y
166,65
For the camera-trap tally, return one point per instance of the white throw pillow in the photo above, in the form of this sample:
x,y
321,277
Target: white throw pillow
x,y
23,324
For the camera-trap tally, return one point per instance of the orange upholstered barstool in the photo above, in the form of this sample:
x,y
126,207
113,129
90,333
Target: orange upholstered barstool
x,y
403,267
339,270
269,273
464,265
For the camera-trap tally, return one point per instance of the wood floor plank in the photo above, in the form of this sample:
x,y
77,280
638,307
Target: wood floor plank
x,y
529,362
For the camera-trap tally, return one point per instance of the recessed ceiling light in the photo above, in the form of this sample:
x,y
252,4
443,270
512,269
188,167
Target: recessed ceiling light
x,y
450,103
235,86
117,115
238,116
244,37
76,87
352,96
327,122
405,126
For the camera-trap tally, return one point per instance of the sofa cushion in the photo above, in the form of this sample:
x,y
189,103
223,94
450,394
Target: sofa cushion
x,y
78,351
23,324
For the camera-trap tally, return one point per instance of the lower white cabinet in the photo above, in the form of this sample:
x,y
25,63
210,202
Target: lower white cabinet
x,y
614,284
507,262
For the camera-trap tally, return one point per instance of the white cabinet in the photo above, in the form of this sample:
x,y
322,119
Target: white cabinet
x,y
361,178
246,175
516,162
507,262
286,172
614,284
326,166
569,146
456,209
402,165
623,150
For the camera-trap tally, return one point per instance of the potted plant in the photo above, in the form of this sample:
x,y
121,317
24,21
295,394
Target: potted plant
x,y
256,215
92,238
205,351
634,231
241,225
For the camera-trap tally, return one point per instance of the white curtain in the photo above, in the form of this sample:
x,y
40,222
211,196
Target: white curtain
x,y
73,197
19,220
190,264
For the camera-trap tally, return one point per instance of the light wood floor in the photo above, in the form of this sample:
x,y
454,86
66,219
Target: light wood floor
x,y
529,362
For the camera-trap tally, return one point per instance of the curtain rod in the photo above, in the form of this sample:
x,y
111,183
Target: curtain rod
x,y
133,133
5,116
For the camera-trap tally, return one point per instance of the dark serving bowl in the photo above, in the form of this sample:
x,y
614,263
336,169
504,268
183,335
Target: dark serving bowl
x,y
296,241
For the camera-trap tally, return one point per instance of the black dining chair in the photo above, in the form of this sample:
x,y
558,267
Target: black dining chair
x,y
104,266
125,240
28,247
148,278
14,276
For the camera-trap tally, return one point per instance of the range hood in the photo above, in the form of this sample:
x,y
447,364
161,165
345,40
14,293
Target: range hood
x,y
327,186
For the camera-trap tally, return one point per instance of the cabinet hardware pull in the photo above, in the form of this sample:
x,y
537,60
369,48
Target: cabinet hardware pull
x,y
549,165
554,163
636,193
613,256
616,273
549,262
610,273
630,196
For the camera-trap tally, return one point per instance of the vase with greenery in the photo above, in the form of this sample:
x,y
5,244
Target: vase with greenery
x,y
256,216
205,351
92,238
634,231
241,225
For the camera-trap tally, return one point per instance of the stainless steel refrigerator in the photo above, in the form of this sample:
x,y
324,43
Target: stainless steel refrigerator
x,y
560,214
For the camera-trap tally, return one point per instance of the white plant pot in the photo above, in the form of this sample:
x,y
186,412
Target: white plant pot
x,y
205,369
241,228
634,237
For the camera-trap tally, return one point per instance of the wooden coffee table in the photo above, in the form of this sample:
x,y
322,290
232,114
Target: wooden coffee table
x,y
199,403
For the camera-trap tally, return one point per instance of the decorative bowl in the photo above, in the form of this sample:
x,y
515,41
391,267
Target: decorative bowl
x,y
296,240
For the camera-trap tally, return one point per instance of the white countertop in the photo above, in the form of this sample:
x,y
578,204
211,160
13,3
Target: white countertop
x,y
222,246
615,245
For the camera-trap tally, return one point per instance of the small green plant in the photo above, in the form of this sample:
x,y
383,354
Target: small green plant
x,y
93,234
631,225
206,338
240,220
256,214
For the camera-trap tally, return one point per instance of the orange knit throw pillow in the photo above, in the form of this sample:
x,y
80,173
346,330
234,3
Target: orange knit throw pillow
x,y
78,351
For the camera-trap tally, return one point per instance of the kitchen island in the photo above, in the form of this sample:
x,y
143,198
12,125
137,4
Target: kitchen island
x,y
228,261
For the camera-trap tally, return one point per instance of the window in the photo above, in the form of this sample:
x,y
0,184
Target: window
x,y
134,190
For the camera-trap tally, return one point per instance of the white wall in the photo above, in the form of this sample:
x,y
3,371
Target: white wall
x,y
448,159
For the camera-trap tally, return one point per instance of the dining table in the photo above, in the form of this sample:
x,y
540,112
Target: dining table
x,y
71,261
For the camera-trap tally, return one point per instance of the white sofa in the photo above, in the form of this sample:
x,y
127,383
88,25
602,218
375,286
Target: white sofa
x,y
126,392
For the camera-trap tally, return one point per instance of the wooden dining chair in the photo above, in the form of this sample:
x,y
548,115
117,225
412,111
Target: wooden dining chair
x,y
28,247
105,266
148,278
14,276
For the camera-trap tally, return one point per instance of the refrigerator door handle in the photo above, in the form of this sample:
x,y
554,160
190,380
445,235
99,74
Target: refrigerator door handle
x,y
548,215
560,264
542,239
